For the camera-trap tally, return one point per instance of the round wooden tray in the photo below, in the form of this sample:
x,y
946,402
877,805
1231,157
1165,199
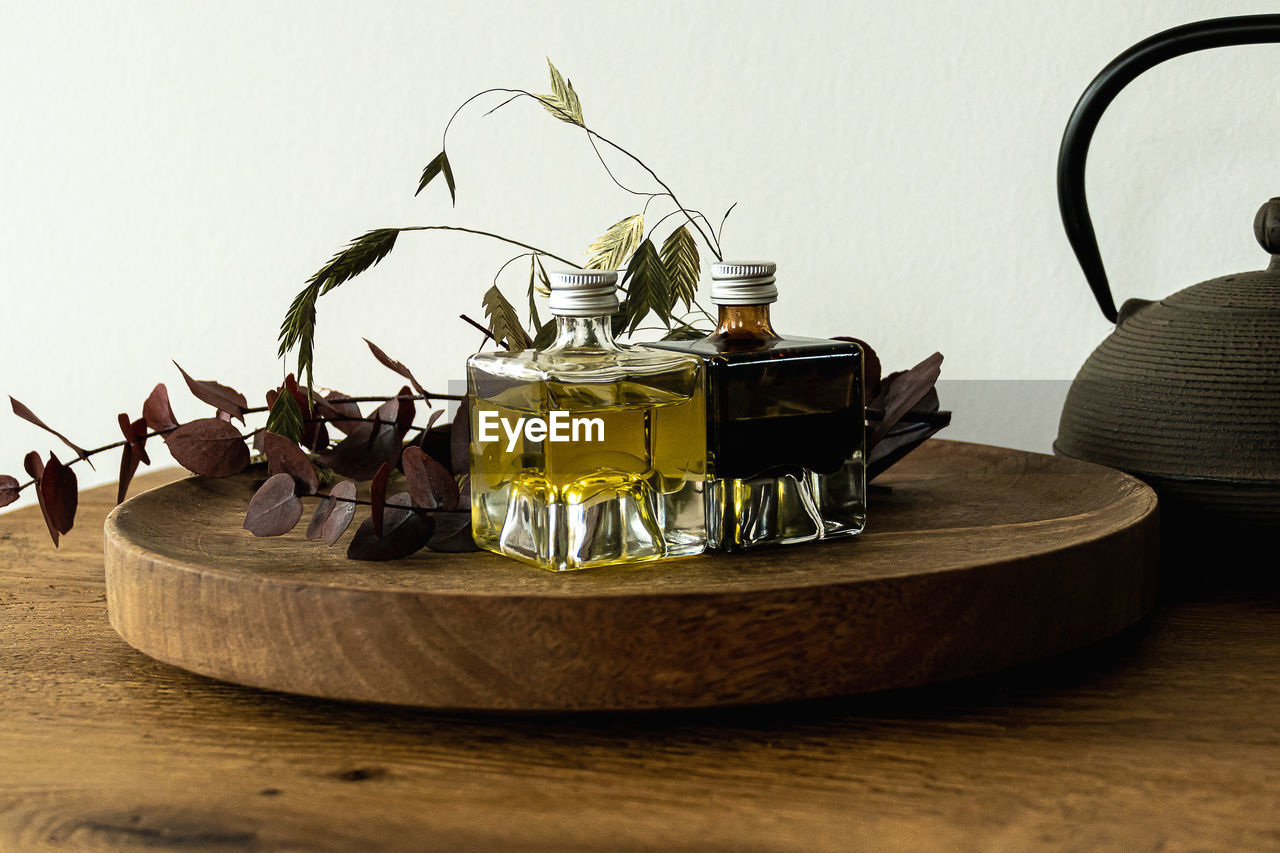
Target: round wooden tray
x,y
976,558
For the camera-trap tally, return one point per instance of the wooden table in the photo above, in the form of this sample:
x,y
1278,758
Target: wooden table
x,y
1165,738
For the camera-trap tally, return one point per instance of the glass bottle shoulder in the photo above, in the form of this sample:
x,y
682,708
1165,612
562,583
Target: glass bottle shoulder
x,y
739,351
587,364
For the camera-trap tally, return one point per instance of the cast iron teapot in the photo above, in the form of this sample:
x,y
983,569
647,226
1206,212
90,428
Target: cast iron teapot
x,y
1185,393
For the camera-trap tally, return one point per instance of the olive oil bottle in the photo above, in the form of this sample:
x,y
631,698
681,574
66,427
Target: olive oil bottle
x,y
587,453
786,432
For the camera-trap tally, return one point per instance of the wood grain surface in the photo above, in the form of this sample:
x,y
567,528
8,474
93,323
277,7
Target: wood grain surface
x,y
1164,738
976,558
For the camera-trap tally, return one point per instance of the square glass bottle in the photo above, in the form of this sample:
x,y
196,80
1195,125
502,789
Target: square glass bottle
x,y
786,434
587,453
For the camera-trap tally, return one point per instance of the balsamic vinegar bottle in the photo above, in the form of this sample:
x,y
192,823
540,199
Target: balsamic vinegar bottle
x,y
587,453
786,432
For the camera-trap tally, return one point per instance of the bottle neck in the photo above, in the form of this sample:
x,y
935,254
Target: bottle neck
x,y
584,333
744,323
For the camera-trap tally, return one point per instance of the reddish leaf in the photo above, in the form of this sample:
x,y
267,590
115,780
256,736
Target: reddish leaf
x,y
135,434
378,496
35,468
274,509
8,490
128,467
901,440
372,442
219,396
285,457
395,414
314,436
334,514
430,483
357,457
59,494
390,363
405,410
435,439
317,441
405,532
460,440
157,412
209,447
346,415
453,533
900,392
304,405
27,415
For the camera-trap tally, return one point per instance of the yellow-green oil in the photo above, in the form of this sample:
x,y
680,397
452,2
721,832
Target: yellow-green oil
x,y
626,487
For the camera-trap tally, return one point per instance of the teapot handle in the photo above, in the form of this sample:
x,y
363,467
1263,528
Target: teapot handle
x,y
1146,54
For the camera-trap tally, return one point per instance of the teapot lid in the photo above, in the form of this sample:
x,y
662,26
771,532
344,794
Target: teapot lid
x,y
1255,292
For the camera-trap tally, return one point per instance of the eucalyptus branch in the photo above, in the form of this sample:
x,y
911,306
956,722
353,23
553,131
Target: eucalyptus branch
x,y
421,510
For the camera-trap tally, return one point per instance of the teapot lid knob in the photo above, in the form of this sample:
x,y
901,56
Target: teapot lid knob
x,y
1266,226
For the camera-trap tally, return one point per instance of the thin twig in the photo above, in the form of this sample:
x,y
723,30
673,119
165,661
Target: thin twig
x,y
494,236
488,334
712,243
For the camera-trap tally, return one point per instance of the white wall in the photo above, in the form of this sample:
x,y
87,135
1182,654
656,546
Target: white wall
x,y
171,172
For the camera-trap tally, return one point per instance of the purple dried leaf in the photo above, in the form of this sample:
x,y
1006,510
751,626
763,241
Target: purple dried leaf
x,y
274,509
346,415
378,497
128,467
395,366
285,457
33,465
209,447
405,530
334,514
26,414
460,440
452,533
323,510
430,483
217,395
405,413
314,436
900,392
358,457
8,490
904,438
396,414
157,412
135,433
59,494
35,469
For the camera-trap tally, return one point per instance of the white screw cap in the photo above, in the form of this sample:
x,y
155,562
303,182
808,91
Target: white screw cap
x,y
584,293
743,283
